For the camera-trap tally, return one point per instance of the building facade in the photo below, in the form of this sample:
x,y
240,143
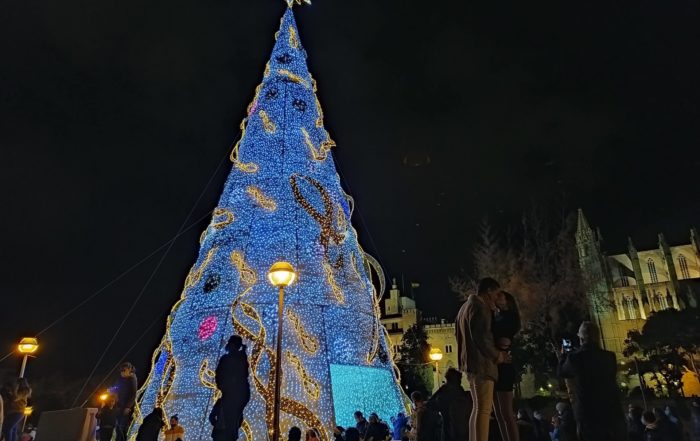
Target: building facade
x,y
400,313
626,288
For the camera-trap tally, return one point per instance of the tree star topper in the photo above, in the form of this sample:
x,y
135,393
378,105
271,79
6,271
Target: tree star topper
x,y
290,3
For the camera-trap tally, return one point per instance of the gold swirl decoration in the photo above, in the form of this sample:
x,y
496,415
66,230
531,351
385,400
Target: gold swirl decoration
x,y
311,386
247,431
268,125
265,202
319,153
293,39
293,77
225,218
196,274
246,273
266,390
335,289
308,342
207,377
356,270
325,219
247,167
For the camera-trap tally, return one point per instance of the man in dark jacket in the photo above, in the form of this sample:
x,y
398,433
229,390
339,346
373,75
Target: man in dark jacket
x,y
362,423
591,372
453,403
126,387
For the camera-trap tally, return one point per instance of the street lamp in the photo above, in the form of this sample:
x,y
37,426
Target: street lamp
x,y
436,356
27,346
281,275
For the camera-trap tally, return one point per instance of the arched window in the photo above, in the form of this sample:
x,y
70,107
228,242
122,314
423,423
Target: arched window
x,y
623,276
683,263
661,301
631,307
652,271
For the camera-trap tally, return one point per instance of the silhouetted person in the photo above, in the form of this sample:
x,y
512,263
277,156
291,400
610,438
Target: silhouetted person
x,y
453,403
294,434
232,381
16,394
216,419
150,428
695,420
352,434
635,427
126,387
107,415
361,423
592,372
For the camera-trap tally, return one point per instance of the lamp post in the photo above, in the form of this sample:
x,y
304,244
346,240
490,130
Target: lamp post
x,y
281,275
27,346
436,356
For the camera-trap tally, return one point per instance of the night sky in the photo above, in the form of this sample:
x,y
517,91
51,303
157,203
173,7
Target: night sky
x,y
115,117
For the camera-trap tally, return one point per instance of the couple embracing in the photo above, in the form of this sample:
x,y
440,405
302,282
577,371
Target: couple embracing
x,y
486,325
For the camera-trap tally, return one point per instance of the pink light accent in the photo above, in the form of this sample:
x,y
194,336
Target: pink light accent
x,y
207,327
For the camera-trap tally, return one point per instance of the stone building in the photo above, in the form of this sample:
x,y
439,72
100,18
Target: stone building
x,y
400,313
625,288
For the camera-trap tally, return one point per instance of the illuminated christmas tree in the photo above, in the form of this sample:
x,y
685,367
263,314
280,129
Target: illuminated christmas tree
x,y
282,201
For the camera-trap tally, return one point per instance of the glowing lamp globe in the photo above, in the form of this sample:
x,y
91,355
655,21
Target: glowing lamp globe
x,y
435,354
28,345
281,274
28,410
104,396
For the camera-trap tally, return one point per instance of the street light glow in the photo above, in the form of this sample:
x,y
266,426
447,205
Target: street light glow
x,y
28,345
435,354
281,274
28,411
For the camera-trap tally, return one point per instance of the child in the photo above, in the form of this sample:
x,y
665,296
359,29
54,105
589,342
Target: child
x,y
176,431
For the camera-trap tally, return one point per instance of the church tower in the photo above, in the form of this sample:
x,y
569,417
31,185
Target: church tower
x,y
593,269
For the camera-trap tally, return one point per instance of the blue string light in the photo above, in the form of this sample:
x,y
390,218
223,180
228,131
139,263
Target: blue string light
x,y
282,201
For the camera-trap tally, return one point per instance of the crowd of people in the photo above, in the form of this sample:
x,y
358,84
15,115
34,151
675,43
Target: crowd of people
x,y
486,326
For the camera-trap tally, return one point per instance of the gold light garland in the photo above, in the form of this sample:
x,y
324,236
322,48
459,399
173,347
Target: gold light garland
x,y
293,77
335,289
196,274
266,391
246,273
207,377
293,39
247,167
268,125
325,220
308,342
311,386
320,153
265,202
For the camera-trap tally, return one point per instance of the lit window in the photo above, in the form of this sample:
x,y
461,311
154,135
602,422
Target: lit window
x,y
652,271
631,308
683,263
661,301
